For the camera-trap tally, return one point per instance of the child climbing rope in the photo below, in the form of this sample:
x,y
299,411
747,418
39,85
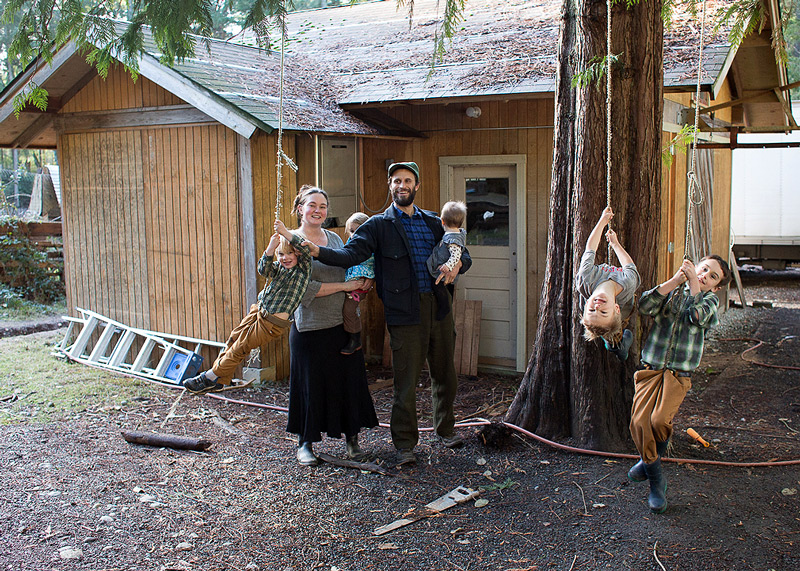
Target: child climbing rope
x,y
607,292
352,321
683,308
287,281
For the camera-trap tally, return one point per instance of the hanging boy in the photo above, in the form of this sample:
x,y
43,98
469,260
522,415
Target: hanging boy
x,y
683,308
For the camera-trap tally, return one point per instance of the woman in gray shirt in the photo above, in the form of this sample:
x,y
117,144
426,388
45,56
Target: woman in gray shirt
x,y
328,391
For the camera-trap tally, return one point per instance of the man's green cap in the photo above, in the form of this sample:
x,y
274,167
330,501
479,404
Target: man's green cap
x,y
408,166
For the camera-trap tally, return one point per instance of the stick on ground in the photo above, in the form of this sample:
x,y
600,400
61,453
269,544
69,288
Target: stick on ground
x,y
165,440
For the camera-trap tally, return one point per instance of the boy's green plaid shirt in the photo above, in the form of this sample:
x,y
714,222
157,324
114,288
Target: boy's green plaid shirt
x,y
678,334
285,286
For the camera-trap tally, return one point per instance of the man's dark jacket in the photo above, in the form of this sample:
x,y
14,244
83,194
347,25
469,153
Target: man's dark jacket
x,y
395,281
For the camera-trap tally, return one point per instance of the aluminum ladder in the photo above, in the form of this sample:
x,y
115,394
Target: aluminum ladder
x,y
105,343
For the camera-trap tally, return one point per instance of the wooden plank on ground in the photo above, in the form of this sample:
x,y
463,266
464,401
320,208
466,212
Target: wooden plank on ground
x,y
467,315
736,277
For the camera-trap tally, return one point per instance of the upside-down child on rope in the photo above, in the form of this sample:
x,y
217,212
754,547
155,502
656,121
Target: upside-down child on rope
x,y
287,281
683,308
607,292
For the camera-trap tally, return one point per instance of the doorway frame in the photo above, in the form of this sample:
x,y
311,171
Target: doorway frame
x,y
447,166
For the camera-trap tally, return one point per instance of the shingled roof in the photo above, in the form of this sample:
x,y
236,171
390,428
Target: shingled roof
x,y
248,78
376,53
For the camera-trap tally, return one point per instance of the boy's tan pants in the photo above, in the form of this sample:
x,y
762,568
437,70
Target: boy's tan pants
x,y
657,396
255,330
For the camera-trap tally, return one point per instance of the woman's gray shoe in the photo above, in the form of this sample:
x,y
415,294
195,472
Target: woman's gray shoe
x,y
306,456
354,451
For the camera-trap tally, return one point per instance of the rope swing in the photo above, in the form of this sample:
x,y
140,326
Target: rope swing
x,y
282,158
608,116
694,193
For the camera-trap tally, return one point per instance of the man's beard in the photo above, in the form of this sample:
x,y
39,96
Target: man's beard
x,y
408,200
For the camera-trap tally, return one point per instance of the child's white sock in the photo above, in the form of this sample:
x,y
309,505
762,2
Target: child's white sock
x,y
210,375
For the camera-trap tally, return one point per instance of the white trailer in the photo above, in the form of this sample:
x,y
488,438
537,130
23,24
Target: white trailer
x,y
765,200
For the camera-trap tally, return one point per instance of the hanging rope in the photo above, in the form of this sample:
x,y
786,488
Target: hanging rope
x,y
694,194
282,158
608,115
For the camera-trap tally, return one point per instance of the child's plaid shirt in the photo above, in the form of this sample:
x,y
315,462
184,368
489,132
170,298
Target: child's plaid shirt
x,y
285,286
676,340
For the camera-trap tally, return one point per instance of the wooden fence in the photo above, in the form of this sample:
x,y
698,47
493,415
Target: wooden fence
x,y
45,237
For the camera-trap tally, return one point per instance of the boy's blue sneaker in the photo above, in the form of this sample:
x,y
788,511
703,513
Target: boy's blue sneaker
x,y
621,349
624,346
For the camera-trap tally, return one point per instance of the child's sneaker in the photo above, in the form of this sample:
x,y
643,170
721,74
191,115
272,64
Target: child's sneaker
x,y
624,346
201,384
621,349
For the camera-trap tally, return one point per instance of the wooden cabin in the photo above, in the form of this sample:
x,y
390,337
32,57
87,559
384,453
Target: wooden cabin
x,y
169,183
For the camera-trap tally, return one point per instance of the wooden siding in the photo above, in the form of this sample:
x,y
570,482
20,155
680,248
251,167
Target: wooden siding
x,y
674,189
193,240
104,225
504,128
118,91
152,228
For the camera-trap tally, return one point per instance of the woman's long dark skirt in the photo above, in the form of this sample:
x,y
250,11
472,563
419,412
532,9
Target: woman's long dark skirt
x,y
327,390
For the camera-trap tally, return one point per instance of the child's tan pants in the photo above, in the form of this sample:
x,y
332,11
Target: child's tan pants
x,y
657,396
255,330
352,322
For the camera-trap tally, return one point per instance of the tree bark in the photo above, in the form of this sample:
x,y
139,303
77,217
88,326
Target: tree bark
x,y
573,388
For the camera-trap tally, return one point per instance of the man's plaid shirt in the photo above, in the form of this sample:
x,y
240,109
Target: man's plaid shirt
x,y
422,242
676,340
285,286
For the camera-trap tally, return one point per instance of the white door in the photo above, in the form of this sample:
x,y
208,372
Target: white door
x,y
491,240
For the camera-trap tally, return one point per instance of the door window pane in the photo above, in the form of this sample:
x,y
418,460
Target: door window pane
x,y
487,211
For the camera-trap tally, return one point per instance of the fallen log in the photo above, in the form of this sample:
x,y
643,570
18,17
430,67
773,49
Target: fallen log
x,y
165,440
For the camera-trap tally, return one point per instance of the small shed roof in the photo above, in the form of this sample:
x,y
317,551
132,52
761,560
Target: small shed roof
x,y
248,78
237,85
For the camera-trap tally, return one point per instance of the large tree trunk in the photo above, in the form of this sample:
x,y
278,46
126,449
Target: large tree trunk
x,y
573,388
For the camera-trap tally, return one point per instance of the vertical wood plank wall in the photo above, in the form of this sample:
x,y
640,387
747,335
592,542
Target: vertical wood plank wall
x,y
152,217
104,218
118,91
504,127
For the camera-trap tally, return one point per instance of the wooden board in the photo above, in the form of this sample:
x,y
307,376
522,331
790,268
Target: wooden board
x,y
467,315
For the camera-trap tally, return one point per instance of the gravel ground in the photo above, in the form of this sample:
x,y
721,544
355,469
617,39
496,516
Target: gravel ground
x,y
77,496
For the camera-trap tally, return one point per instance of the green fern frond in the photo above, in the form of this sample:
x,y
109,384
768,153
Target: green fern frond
x,y
31,94
680,141
595,71
745,17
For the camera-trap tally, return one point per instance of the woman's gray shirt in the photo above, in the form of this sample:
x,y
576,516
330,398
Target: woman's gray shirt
x,y
316,313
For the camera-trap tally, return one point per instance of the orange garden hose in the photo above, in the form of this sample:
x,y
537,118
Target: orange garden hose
x,y
550,443
758,343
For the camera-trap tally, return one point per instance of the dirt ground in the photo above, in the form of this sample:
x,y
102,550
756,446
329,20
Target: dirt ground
x,y
77,496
